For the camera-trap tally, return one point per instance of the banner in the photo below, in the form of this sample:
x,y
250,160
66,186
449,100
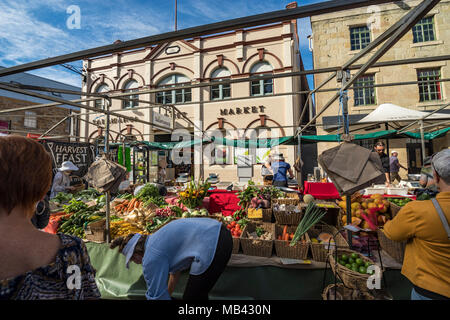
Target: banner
x,y
81,154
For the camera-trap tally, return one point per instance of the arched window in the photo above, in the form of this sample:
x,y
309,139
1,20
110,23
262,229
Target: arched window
x,y
261,87
221,91
131,86
101,89
174,96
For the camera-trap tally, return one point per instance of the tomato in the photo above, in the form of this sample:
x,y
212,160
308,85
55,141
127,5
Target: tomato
x,y
237,227
233,223
229,227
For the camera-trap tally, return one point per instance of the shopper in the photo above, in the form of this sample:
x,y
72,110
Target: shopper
x,y
35,264
379,148
201,244
61,181
280,169
266,171
426,176
395,166
425,225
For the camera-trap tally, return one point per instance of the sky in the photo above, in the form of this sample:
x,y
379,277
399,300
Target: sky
x,y
31,30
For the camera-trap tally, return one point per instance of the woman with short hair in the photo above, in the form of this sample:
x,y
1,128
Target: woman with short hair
x,y
35,264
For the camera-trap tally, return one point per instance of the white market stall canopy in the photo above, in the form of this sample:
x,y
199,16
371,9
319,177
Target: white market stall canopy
x,y
389,112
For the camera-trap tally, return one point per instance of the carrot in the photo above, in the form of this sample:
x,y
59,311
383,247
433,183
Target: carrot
x,y
286,237
291,236
137,204
131,204
284,232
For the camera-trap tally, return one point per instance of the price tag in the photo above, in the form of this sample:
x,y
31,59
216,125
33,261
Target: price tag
x,y
254,213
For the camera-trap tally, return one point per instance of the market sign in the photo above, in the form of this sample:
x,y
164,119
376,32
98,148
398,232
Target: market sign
x,y
81,154
243,110
162,121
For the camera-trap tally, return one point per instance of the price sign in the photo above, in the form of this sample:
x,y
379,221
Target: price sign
x,y
254,213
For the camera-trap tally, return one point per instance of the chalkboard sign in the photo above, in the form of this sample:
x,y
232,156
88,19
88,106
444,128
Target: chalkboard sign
x,y
81,154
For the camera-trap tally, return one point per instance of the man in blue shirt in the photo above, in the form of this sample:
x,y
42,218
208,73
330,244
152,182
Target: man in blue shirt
x,y
204,245
280,168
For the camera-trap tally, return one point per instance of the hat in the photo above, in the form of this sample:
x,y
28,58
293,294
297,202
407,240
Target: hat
x,y
393,151
277,156
68,166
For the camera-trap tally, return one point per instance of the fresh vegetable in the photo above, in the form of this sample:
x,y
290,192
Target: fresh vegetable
x,y
354,263
260,231
313,214
307,198
62,197
157,222
148,191
400,201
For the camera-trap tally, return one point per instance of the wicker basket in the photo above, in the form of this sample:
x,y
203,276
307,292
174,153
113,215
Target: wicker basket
x,y
293,201
236,245
293,195
266,216
320,250
290,218
345,293
95,231
260,248
283,248
393,248
350,278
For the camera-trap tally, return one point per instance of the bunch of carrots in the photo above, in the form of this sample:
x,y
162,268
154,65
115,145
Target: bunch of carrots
x,y
285,235
128,205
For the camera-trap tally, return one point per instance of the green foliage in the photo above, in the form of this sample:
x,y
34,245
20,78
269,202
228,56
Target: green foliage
x,y
148,191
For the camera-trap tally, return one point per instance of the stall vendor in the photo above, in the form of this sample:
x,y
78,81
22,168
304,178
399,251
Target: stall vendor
x,y
280,169
202,245
61,181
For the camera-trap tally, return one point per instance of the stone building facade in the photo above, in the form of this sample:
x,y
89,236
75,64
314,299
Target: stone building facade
x,y
34,122
339,36
241,110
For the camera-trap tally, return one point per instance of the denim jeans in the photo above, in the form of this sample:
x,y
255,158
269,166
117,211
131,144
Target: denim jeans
x,y
417,296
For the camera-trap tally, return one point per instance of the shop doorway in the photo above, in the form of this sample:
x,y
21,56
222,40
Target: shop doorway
x,y
414,151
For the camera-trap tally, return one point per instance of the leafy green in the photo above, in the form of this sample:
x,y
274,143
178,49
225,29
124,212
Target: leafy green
x,y
88,194
260,231
148,191
157,200
312,215
75,206
62,197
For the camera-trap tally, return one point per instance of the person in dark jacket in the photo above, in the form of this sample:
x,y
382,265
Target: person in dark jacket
x,y
379,148
42,214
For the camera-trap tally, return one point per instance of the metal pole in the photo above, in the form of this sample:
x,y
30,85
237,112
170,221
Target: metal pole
x,y
54,126
344,98
176,15
108,194
422,141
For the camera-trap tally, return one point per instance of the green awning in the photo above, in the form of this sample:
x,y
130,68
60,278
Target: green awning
x,y
428,135
259,143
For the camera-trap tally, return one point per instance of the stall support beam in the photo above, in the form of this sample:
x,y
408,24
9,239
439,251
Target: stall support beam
x,y
107,103
422,141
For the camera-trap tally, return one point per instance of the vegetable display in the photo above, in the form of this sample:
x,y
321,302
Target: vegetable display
x,y
367,213
148,191
235,229
285,236
313,214
78,216
62,197
400,201
355,263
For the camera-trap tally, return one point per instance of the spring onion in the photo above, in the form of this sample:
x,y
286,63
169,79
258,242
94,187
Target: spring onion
x,y
312,215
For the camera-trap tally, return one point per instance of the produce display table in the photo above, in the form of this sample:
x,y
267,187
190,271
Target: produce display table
x,y
246,278
224,201
321,190
412,197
